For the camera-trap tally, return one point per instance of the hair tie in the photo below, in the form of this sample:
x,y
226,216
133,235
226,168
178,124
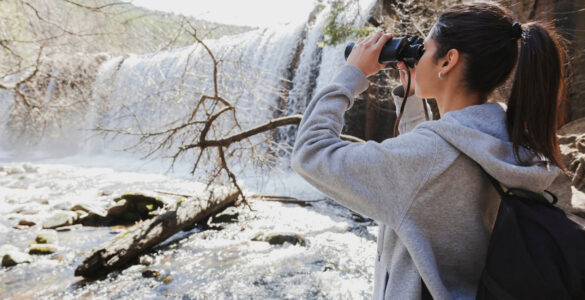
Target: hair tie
x,y
516,31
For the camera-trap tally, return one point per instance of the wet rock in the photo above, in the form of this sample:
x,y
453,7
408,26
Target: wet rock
x,y
42,249
130,208
150,273
131,217
60,219
24,222
359,218
229,215
81,215
69,228
47,237
90,209
281,238
118,209
167,280
95,220
13,258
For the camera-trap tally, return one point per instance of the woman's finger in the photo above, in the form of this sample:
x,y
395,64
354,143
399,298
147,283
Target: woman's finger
x,y
383,39
373,38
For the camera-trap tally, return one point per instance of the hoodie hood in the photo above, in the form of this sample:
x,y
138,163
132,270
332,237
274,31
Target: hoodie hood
x,y
480,132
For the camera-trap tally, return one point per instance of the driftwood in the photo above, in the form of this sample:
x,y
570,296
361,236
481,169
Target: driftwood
x,y
121,250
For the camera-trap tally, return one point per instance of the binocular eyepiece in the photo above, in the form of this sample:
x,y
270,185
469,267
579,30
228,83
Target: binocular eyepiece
x,y
405,49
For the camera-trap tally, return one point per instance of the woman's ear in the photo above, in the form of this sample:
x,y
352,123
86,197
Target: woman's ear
x,y
449,61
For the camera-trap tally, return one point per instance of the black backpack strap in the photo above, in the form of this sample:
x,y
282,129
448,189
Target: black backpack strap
x,y
546,198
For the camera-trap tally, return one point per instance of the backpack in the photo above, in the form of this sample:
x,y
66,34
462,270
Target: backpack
x,y
536,250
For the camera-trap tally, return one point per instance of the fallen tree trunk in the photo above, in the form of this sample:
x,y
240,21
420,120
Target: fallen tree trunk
x,y
118,252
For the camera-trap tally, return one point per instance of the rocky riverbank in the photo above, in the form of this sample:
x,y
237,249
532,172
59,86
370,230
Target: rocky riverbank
x,y
270,250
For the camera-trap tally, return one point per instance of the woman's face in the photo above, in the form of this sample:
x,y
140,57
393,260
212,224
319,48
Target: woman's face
x,y
426,81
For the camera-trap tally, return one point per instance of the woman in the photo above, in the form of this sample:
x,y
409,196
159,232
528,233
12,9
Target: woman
x,y
434,205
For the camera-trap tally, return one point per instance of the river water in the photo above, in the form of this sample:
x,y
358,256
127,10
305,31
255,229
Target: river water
x,y
219,263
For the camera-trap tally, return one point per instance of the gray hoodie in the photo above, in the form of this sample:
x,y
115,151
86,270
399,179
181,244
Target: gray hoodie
x,y
434,205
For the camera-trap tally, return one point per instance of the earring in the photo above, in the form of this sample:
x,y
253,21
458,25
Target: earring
x,y
440,77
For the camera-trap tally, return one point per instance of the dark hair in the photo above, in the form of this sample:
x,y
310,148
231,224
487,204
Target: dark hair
x,y
487,37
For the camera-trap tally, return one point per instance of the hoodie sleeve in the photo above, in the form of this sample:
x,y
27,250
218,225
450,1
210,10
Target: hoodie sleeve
x,y
378,180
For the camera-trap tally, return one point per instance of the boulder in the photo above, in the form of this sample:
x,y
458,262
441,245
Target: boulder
x,y
47,237
81,215
59,219
229,215
13,258
281,238
130,208
90,209
118,209
42,249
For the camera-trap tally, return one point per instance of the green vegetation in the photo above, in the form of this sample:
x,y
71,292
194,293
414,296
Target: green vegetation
x,y
337,31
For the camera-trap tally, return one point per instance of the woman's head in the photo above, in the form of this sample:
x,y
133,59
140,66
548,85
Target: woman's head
x,y
485,36
483,41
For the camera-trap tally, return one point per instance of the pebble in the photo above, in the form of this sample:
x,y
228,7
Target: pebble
x,y
42,249
47,237
69,228
167,280
150,273
281,238
24,222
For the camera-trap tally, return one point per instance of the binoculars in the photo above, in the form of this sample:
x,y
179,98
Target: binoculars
x,y
405,49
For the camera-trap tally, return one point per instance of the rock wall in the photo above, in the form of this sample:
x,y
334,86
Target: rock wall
x,y
569,18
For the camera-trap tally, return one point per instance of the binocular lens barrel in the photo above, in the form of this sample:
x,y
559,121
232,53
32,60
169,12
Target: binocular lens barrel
x,y
406,49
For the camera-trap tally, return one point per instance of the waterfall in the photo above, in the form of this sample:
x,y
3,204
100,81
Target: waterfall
x,y
263,73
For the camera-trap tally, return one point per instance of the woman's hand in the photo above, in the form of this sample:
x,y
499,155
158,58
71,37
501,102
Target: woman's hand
x,y
404,76
365,53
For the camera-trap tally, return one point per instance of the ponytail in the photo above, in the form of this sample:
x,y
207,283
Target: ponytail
x,y
539,87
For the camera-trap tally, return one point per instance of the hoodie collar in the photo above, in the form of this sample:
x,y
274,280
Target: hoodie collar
x,y
480,132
